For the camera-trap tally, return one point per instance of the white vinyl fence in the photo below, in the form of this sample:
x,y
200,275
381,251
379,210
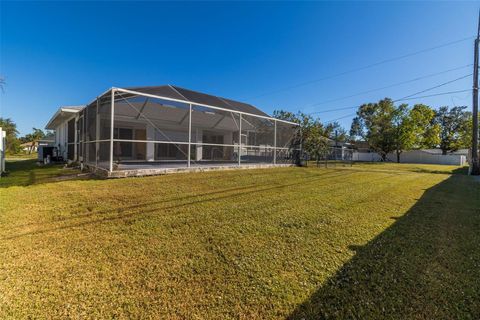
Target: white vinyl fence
x,y
366,156
414,156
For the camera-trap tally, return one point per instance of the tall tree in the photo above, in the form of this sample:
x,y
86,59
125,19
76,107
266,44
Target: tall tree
x,y
12,144
336,132
374,124
455,128
414,128
424,126
33,138
313,134
403,130
389,128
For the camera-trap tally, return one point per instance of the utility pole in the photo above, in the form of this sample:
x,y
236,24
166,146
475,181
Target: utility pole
x,y
475,161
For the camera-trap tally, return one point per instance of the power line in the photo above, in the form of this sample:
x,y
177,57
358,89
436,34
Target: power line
x,y
408,97
427,96
343,117
386,87
362,68
434,95
435,87
331,110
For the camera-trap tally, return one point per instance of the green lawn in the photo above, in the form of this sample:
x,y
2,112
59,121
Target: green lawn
x,y
367,241
26,172
22,156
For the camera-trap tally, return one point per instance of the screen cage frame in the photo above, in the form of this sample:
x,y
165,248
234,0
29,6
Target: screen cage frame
x,y
99,140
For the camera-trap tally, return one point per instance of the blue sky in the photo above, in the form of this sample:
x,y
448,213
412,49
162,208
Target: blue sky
x,y
55,54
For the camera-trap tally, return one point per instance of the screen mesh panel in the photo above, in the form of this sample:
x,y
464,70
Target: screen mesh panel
x,y
154,132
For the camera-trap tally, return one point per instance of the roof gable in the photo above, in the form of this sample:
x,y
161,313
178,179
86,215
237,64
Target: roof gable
x,y
63,114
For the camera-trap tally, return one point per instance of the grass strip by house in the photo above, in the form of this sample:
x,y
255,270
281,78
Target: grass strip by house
x,y
367,241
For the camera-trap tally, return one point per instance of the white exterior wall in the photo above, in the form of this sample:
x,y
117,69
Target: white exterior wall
x,y
61,138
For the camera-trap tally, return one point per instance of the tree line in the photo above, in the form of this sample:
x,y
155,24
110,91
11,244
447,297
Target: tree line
x,y
389,128
14,141
384,126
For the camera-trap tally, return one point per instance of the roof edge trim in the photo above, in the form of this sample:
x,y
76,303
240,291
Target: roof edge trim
x,y
60,110
203,105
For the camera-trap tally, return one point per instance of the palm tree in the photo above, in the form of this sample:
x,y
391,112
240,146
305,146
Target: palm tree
x,y
11,134
34,137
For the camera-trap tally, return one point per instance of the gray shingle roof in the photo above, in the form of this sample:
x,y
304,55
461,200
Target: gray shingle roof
x,y
179,93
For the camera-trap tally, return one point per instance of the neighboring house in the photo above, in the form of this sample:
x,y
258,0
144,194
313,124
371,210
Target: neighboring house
x,y
363,152
149,130
362,146
339,150
34,146
29,146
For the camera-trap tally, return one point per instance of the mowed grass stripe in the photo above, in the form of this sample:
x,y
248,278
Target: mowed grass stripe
x,y
239,244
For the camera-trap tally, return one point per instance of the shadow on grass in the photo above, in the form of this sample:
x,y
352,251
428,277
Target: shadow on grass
x,y
459,170
412,167
425,266
27,172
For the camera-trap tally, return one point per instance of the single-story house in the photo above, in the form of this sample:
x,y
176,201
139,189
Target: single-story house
x,y
29,146
34,146
151,130
340,150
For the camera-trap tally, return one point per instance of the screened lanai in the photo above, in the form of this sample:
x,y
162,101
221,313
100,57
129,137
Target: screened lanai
x,y
167,127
